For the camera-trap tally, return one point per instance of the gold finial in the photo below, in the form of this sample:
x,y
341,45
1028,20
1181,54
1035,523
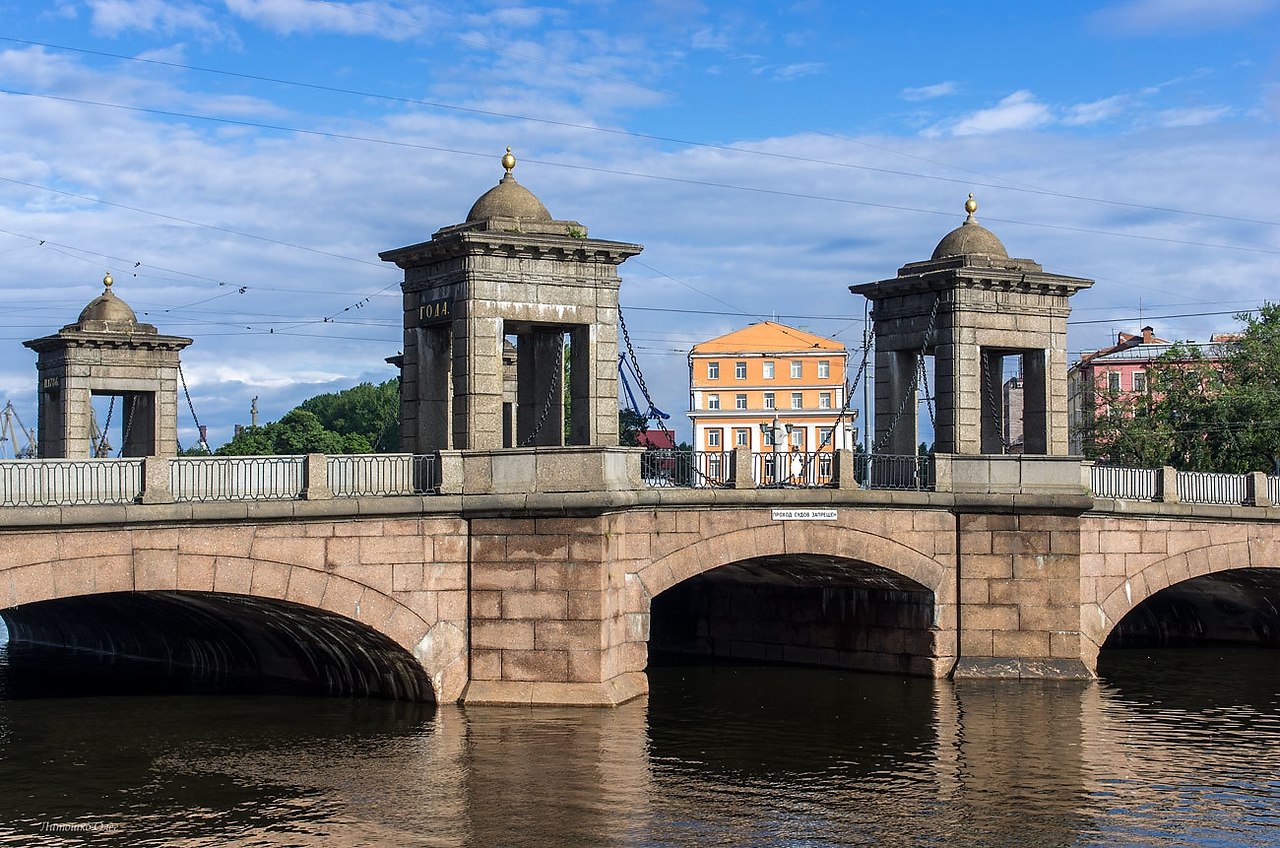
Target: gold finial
x,y
107,281
508,161
971,206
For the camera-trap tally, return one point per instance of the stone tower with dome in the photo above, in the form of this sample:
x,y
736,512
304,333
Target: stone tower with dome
x,y
108,353
510,272
970,307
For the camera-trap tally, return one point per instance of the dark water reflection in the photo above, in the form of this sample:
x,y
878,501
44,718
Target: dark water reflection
x,y
1176,748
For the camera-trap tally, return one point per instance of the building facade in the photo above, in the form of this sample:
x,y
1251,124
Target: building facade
x,y
1121,371
772,389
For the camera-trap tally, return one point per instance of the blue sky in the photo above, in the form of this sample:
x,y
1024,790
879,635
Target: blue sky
x,y
238,165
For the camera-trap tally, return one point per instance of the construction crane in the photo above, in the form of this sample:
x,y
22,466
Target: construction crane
x,y
24,448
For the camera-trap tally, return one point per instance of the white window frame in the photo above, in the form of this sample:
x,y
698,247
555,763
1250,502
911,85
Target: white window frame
x,y
797,369
824,369
824,400
742,437
740,401
713,438
1113,381
770,400
740,370
768,369
797,400
713,401
1139,381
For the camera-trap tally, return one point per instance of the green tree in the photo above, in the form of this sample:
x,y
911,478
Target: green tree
x,y
369,411
1198,415
630,425
299,431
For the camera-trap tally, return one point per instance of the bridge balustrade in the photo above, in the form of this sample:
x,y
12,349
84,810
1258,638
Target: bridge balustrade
x,y
666,467
1273,489
1135,484
1214,488
69,482
238,478
374,474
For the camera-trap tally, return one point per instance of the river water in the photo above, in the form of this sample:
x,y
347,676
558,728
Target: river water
x,y
1169,748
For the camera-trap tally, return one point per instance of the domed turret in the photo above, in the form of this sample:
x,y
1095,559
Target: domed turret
x,y
107,313
970,238
508,199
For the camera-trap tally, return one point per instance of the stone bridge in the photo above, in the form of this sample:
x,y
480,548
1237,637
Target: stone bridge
x,y
560,597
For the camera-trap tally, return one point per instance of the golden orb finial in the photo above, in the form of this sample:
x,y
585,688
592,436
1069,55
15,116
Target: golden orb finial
x,y
107,281
971,206
508,161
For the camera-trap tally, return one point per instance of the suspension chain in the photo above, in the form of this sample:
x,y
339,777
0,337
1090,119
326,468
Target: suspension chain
x,y
128,428
910,395
996,417
106,428
635,366
191,406
848,395
551,394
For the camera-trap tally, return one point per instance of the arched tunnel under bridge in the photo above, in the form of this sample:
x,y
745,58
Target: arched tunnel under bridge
x,y
800,609
1234,607
171,641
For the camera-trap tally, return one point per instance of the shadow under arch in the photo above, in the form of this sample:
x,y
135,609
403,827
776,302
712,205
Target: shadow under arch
x,y
1231,590
801,609
182,641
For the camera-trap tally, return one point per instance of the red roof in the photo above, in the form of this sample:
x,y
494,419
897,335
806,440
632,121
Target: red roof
x,y
656,439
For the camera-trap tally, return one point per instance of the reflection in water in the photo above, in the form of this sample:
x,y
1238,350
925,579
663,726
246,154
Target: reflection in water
x,y
1176,748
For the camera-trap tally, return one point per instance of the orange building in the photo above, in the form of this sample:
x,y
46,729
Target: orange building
x,y
770,388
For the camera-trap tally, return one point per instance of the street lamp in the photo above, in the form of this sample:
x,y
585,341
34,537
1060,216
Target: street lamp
x,y
774,431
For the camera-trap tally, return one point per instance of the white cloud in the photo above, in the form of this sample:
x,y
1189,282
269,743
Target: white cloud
x,y
1196,116
1018,111
1154,16
929,92
113,17
370,17
1083,114
798,71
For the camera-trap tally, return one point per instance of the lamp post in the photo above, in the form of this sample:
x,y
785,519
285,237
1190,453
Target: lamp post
x,y
775,431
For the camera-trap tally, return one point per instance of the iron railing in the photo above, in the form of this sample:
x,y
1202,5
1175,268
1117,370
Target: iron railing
x,y
1211,488
238,478
793,470
1273,489
374,474
893,471
1136,484
664,467
69,482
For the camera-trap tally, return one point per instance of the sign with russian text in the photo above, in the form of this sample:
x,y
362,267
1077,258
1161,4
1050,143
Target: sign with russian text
x,y
435,312
804,515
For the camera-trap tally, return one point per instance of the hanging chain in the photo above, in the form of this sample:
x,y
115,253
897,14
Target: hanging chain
x,y
928,397
551,395
848,395
635,366
103,445
128,427
996,409
191,406
910,395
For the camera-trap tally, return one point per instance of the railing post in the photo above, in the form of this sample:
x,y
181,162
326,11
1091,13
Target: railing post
x,y
1258,489
842,469
741,472
449,471
943,473
315,486
1086,475
1169,485
155,480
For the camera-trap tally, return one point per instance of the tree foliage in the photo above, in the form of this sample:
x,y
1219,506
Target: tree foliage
x,y
1198,415
362,419
630,425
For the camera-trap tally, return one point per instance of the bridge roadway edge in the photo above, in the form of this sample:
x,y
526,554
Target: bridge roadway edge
x,y
1020,609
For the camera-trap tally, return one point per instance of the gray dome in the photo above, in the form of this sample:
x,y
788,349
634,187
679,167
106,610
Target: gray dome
x,y
508,199
970,238
106,312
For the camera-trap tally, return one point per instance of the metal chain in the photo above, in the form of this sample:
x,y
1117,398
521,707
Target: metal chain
x,y
848,395
635,366
991,400
102,435
128,428
191,406
910,395
551,394
928,398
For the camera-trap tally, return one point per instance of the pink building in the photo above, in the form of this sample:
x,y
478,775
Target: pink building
x,y
1122,369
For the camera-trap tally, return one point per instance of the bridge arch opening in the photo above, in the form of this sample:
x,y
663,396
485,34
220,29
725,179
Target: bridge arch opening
x,y
199,642
1233,607
799,609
